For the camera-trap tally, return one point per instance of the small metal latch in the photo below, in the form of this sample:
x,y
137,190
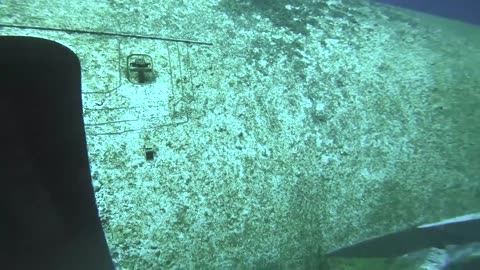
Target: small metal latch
x,y
140,69
149,153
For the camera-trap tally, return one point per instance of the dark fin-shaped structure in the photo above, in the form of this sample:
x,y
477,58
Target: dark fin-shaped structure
x,y
49,219
457,231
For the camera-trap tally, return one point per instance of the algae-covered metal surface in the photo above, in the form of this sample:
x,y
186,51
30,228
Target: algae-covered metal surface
x,y
303,127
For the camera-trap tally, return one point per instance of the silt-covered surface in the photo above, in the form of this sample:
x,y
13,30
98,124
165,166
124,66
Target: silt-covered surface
x,y
305,127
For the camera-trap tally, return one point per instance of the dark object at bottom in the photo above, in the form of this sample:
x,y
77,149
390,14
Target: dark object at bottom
x,y
439,235
49,218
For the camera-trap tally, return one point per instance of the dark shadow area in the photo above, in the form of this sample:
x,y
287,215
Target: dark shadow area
x,y
49,218
462,10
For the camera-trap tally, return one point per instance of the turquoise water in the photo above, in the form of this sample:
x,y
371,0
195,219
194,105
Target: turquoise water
x,y
462,10
268,133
